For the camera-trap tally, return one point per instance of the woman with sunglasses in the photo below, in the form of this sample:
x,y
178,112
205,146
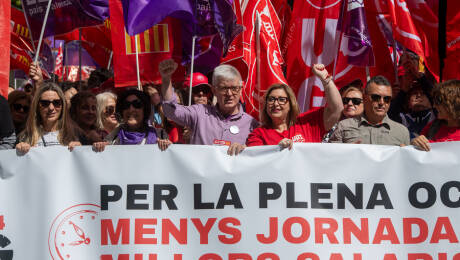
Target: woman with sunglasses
x,y
19,102
352,99
134,108
48,123
446,99
106,119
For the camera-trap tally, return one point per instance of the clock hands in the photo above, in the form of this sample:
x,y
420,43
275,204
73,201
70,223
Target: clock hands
x,y
81,234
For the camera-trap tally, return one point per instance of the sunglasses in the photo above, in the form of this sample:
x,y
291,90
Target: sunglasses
x,y
110,110
281,100
57,103
19,107
135,103
355,101
205,90
377,98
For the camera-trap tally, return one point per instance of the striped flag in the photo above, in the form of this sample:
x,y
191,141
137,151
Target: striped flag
x,y
153,40
154,45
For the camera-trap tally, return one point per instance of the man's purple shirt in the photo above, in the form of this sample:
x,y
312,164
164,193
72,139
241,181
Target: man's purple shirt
x,y
208,125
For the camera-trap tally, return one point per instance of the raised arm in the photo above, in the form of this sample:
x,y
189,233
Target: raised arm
x,y
167,68
334,105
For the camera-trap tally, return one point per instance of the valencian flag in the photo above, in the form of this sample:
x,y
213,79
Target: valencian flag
x,y
5,7
212,21
154,45
64,16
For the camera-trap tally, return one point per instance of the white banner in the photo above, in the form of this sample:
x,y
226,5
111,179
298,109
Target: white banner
x,y
317,201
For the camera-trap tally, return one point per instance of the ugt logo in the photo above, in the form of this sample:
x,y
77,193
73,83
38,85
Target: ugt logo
x,y
4,242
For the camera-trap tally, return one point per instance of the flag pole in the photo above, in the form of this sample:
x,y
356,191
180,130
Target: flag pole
x,y
139,86
30,32
338,41
191,71
79,57
37,53
258,59
368,74
395,62
110,60
442,36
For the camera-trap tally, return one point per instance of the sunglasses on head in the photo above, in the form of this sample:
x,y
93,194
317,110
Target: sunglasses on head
x,y
377,98
135,103
355,101
109,110
57,103
18,107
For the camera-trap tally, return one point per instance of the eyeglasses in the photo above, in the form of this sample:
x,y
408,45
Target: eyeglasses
x,y
57,103
355,101
18,107
109,110
377,98
135,103
281,100
233,89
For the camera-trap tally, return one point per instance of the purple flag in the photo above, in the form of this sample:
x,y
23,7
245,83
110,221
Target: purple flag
x,y
65,15
356,41
212,21
71,55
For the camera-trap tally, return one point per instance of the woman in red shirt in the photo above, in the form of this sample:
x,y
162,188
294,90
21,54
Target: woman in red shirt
x,y
446,99
278,114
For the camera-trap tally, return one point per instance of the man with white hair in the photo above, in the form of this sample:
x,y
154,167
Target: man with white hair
x,y
222,124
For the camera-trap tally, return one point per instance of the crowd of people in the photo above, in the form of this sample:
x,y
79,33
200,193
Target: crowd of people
x,y
43,113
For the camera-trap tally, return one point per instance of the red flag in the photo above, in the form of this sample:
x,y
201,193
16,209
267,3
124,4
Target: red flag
x,y
99,34
452,61
414,25
311,38
270,53
58,66
242,52
154,45
19,24
284,14
21,53
71,72
5,7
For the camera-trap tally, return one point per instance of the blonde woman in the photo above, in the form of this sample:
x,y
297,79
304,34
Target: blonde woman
x,y
48,122
106,117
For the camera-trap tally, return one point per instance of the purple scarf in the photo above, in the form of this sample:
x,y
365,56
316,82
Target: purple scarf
x,y
127,137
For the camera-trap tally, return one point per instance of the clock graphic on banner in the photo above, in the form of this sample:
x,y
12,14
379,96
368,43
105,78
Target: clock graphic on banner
x,y
74,233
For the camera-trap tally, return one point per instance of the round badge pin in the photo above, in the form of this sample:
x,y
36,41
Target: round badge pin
x,y
234,129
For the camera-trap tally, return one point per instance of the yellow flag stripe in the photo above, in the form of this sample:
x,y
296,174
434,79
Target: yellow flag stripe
x,y
165,37
147,40
128,44
155,39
